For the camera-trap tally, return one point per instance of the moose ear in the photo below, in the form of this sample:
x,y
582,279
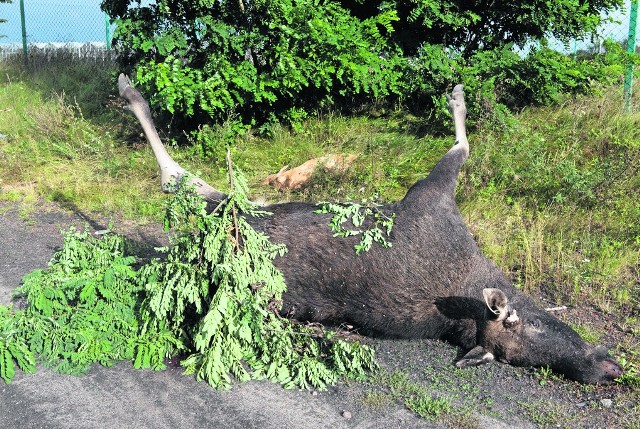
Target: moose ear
x,y
497,301
475,357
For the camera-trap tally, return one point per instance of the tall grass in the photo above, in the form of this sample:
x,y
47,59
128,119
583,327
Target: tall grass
x,y
554,199
551,194
65,141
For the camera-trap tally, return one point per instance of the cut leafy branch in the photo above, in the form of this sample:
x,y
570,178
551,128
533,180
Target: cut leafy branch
x,y
372,224
214,296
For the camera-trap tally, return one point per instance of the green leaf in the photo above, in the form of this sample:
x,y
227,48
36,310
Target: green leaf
x,y
7,371
88,292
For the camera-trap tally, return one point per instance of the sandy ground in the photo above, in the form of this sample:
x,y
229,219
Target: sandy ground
x,y
494,396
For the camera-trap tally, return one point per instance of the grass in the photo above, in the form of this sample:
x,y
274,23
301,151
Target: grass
x,y
546,413
53,151
555,199
462,396
398,387
587,333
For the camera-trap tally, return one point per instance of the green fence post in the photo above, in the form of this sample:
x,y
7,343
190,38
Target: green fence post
x,y
24,33
107,26
631,48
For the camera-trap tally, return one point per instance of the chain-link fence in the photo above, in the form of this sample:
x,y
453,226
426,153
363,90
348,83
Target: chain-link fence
x,y
617,30
45,26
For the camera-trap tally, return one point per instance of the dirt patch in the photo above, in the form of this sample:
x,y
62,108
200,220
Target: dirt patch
x,y
491,396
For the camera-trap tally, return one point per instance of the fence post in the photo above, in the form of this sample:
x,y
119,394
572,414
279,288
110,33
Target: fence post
x,y
107,26
631,48
24,33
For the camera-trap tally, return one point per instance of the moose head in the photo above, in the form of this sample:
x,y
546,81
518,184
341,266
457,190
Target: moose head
x,y
532,337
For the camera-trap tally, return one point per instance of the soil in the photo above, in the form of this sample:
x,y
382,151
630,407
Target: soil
x,y
491,396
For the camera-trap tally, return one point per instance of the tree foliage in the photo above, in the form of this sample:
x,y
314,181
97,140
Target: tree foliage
x,y
262,61
470,26
83,308
368,221
265,60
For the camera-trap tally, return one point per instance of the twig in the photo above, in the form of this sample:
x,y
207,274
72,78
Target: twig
x,y
233,206
561,308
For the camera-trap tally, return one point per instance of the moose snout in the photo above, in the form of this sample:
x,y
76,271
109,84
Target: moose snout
x,y
610,369
606,369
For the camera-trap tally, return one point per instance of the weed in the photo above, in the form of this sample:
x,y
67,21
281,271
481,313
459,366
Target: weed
x,y
630,362
546,413
462,418
397,386
586,332
377,400
545,374
428,407
631,325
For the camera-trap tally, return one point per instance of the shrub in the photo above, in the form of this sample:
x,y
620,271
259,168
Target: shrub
x,y
272,61
264,62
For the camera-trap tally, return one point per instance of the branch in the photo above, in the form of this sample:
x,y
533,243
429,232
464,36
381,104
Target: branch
x,y
233,206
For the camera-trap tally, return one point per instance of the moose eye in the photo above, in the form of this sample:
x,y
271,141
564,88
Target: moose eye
x,y
534,323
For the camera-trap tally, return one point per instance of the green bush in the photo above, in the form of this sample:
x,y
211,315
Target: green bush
x,y
263,62
545,75
274,61
472,26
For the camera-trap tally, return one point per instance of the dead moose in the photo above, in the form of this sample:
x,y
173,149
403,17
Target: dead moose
x,y
432,283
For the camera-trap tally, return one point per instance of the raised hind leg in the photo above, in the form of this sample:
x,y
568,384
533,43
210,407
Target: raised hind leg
x,y
444,176
458,110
